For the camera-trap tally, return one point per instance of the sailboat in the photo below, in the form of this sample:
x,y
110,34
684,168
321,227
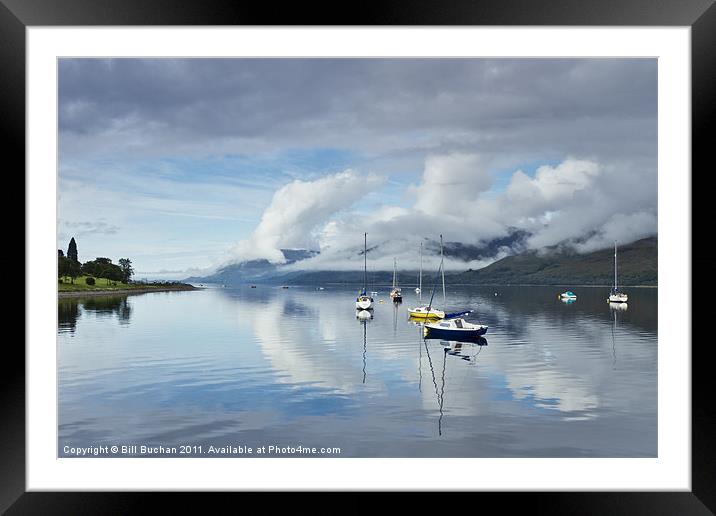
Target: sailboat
x,y
419,289
615,296
453,326
396,295
426,312
364,301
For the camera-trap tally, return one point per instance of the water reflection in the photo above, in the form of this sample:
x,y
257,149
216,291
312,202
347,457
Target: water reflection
x,y
614,308
286,364
69,310
364,316
466,350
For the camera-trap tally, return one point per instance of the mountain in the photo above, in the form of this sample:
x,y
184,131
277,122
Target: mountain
x,y
251,271
637,265
515,242
558,265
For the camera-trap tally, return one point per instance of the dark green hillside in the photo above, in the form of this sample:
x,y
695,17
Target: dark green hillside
x,y
637,266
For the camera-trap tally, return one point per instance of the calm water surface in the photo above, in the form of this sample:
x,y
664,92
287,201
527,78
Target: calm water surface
x,y
295,367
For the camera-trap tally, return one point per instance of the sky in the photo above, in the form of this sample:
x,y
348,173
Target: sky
x,y
185,165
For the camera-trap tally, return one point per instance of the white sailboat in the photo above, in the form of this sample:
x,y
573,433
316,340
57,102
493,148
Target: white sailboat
x,y
364,301
396,295
615,296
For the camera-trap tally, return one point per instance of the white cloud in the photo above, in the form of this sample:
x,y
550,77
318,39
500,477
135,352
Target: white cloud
x,y
576,200
299,210
452,183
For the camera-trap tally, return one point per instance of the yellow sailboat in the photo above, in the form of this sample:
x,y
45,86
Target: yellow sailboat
x,y
426,312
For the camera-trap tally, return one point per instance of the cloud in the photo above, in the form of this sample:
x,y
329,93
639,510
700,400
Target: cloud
x,y
452,183
187,152
68,229
577,202
298,210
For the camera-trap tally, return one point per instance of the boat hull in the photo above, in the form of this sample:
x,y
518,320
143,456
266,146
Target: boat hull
x,y
454,334
423,315
618,298
364,303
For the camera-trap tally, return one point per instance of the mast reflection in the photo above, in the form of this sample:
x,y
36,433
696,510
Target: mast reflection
x,y
363,317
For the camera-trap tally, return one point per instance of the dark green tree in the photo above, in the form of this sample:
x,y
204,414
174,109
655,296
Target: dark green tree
x,y
73,269
127,270
63,267
60,254
72,250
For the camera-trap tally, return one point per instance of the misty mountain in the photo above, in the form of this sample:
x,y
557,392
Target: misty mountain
x,y
559,265
556,265
252,270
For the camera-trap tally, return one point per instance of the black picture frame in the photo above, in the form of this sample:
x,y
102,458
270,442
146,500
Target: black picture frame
x,y
700,15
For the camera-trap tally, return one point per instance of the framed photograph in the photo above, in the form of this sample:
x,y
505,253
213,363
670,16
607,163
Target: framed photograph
x,y
417,250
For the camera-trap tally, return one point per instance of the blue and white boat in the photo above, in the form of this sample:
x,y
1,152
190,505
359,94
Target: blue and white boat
x,y
568,295
454,329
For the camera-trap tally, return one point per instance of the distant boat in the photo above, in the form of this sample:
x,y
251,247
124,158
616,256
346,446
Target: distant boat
x,y
396,295
364,301
568,295
284,286
615,296
253,286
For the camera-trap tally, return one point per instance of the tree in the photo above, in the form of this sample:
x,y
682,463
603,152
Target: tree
x,y
73,269
127,271
60,254
72,251
63,267
103,268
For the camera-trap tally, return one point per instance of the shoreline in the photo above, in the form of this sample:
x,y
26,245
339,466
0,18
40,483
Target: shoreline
x,y
139,290
570,285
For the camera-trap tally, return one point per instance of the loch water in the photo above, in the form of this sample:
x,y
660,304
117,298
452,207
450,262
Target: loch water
x,y
294,368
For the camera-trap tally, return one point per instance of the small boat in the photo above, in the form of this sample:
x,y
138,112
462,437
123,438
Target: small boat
x,y
424,312
615,296
284,286
568,295
364,301
454,329
396,295
253,286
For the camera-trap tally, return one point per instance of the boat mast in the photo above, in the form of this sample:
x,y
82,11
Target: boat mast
x,y
395,264
420,280
365,263
442,269
615,266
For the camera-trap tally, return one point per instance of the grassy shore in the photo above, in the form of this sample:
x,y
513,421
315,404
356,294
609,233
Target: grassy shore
x,y
105,286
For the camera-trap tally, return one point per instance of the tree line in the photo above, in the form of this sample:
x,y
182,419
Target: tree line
x,y
69,266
